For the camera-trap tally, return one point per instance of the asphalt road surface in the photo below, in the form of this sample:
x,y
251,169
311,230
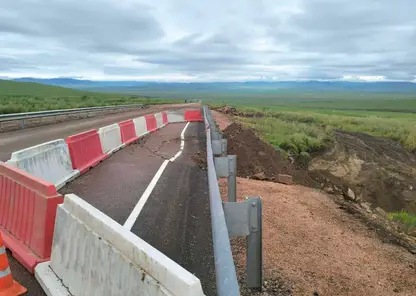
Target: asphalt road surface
x,y
176,217
20,139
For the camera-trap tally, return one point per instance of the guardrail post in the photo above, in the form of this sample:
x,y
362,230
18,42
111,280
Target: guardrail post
x,y
245,219
232,178
226,166
219,147
254,261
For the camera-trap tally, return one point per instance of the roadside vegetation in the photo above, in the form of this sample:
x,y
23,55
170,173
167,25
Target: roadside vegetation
x,y
16,97
404,218
301,131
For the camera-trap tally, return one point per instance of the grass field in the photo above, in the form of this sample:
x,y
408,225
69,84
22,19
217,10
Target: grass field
x,y
303,127
16,97
304,131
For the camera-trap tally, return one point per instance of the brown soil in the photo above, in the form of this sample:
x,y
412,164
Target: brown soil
x,y
329,244
221,119
257,158
310,246
378,170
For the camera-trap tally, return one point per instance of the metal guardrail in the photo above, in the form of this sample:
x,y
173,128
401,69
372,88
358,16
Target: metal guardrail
x,y
226,278
18,116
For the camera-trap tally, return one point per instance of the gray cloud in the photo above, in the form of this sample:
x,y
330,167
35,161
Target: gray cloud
x,y
215,40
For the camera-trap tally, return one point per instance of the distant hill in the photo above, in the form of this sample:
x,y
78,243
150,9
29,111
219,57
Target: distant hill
x,y
20,96
255,86
33,89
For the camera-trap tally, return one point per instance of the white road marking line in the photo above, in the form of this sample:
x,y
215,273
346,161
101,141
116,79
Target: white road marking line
x,y
182,144
143,199
139,206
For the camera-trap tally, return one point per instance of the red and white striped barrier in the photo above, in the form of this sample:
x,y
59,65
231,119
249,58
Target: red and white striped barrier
x,y
32,183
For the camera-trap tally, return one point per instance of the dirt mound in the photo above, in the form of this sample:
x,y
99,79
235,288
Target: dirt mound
x,y
227,110
257,158
373,169
376,169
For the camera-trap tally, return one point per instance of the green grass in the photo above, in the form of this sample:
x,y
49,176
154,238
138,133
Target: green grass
x,y
16,97
404,218
296,138
301,131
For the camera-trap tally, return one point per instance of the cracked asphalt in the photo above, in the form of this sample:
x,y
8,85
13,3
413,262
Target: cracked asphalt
x,y
116,185
176,218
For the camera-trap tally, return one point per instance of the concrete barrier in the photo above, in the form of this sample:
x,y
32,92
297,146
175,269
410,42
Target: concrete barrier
x,y
175,116
94,255
159,120
85,150
151,123
140,126
48,161
110,137
27,215
193,115
128,131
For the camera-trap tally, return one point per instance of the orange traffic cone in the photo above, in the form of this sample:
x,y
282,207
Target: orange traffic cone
x,y
8,287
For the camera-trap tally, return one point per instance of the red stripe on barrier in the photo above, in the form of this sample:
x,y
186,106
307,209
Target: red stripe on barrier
x,y
193,115
85,150
128,131
27,215
165,117
151,123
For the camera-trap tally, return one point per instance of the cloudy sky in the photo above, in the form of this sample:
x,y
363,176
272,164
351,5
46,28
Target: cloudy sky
x,y
217,40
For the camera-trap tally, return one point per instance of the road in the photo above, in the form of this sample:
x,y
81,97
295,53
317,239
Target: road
x,y
176,217
20,139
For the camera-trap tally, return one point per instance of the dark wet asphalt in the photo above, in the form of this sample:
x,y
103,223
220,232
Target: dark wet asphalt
x,y
176,218
115,186
179,201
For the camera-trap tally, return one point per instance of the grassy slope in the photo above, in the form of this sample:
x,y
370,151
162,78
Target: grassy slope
x,y
18,97
302,130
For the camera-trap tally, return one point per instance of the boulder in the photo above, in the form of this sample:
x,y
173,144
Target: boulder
x,y
285,179
380,212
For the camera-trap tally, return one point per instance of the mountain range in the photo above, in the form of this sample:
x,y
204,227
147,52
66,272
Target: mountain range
x,y
252,86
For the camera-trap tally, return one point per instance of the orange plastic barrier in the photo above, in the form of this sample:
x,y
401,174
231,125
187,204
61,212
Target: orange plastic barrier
x,y
128,131
193,115
85,150
165,117
27,215
151,123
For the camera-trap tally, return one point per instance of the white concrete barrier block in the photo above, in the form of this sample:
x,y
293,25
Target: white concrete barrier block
x,y
159,120
94,255
49,161
175,116
140,125
110,137
50,283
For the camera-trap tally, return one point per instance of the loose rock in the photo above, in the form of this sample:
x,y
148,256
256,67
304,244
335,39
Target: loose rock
x,y
379,211
351,194
285,179
329,189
